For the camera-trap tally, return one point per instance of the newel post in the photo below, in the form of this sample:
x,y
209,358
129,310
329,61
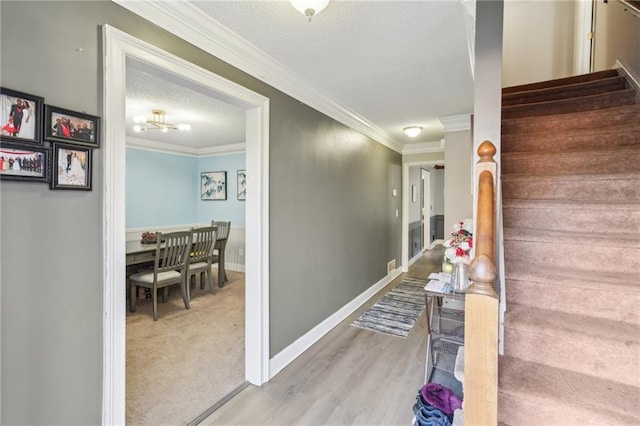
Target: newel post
x,y
482,270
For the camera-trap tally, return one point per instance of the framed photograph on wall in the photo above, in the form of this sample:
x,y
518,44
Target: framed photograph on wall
x,y
20,117
63,125
242,185
71,167
213,185
27,163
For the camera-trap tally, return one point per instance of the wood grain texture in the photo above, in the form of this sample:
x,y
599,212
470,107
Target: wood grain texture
x,y
351,376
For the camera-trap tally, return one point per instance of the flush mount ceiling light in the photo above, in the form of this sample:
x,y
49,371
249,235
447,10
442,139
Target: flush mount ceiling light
x,y
309,8
157,123
412,131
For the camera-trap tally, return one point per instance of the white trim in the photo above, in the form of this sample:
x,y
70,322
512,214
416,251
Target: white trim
x,y
291,352
456,123
435,243
117,46
634,80
423,147
187,22
170,148
582,42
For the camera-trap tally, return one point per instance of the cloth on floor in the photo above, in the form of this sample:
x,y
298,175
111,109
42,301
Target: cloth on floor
x,y
440,397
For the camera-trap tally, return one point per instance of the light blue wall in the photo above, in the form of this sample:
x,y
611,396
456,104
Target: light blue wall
x,y
231,209
163,189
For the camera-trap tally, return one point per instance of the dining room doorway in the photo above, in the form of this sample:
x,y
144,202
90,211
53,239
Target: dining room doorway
x,y
118,46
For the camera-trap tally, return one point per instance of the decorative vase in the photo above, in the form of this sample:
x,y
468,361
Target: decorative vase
x,y
459,277
447,266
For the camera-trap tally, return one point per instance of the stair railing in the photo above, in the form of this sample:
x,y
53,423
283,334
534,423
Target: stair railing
x,y
482,304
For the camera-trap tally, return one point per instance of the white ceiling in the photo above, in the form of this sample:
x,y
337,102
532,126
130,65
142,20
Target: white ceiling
x,y
390,63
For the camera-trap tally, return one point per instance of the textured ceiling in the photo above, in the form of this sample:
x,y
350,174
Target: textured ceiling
x,y
214,122
394,63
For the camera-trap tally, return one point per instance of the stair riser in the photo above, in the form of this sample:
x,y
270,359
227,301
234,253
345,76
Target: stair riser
x,y
576,300
564,92
566,219
576,79
622,161
581,121
606,190
568,106
597,357
555,142
584,255
523,410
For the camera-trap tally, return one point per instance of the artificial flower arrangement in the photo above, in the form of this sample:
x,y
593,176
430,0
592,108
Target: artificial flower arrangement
x,y
459,245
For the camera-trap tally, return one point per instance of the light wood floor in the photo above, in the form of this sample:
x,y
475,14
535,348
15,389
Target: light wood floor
x,y
351,376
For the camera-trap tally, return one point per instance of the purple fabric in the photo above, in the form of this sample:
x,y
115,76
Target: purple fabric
x,y
441,397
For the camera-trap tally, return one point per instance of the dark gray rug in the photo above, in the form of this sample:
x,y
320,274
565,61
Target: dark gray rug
x,y
397,312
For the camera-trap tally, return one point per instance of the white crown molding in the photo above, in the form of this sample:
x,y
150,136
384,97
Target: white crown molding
x,y
168,148
456,123
423,147
187,22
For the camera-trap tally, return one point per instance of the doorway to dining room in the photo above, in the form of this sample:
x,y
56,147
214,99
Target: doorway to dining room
x,y
118,48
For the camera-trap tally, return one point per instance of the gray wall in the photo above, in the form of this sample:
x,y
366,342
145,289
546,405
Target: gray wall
x,y
332,218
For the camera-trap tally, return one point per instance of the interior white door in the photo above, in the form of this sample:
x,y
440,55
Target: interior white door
x,y
427,208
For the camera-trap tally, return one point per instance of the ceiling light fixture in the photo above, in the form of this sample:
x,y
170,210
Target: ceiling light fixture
x,y
309,8
158,123
412,131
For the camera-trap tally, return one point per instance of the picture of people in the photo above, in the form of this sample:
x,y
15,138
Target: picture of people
x,y
22,163
20,116
72,167
71,127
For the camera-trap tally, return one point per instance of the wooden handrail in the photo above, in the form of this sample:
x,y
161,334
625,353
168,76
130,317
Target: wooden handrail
x,y
481,303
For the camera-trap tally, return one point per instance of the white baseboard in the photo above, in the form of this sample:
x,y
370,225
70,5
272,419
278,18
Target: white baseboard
x,y
294,350
234,267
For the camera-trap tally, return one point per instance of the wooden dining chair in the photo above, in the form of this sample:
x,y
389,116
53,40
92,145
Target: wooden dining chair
x,y
169,268
201,256
222,233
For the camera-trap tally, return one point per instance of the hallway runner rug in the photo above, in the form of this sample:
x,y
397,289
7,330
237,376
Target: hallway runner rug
x,y
397,312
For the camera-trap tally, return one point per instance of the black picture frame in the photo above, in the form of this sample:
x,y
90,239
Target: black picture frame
x,y
242,185
213,186
80,128
71,167
29,130
29,163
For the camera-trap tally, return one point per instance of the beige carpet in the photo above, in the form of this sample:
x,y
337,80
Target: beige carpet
x,y
185,362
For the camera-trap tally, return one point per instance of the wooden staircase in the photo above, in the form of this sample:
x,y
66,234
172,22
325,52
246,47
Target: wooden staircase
x,y
570,162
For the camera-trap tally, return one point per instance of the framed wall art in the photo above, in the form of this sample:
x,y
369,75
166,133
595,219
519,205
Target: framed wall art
x,y
242,185
213,185
63,125
29,163
71,167
20,117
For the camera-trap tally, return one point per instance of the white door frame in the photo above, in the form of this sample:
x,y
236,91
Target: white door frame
x,y
406,196
425,179
117,46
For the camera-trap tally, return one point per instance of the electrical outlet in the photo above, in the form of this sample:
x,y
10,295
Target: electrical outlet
x,y
391,266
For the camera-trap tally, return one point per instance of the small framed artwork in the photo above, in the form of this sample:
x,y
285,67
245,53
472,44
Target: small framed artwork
x,y
27,163
20,117
242,185
213,185
71,167
63,125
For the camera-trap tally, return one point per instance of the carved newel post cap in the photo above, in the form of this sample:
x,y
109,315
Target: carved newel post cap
x,y
486,151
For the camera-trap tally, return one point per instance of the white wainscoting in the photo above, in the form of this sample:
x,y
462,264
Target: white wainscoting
x,y
234,254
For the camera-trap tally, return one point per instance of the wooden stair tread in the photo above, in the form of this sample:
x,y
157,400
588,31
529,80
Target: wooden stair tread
x,y
561,81
622,238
